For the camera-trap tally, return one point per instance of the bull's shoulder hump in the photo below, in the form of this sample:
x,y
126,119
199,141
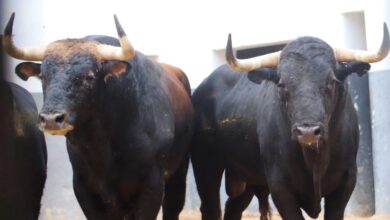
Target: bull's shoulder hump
x,y
176,73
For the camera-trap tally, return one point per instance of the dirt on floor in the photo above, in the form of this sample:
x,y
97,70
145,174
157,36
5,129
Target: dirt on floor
x,y
194,215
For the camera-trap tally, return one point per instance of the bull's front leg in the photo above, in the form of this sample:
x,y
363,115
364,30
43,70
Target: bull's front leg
x,y
336,201
287,205
175,192
90,202
151,196
283,197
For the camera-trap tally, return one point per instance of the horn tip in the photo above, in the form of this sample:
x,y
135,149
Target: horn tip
x,y
13,15
119,28
385,30
9,27
229,38
386,38
229,50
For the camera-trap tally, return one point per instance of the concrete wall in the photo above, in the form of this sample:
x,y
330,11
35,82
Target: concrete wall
x,y
380,94
362,202
192,35
379,80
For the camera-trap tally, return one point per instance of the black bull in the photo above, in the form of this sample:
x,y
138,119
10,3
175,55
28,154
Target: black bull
x,y
22,154
127,122
293,133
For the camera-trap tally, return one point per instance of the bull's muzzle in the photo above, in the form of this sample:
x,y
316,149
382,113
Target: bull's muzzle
x,y
309,136
54,123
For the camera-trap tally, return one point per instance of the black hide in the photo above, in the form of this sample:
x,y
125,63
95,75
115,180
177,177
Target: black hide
x,y
23,154
256,133
126,129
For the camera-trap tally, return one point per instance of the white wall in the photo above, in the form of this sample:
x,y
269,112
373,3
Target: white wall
x,y
189,34
27,31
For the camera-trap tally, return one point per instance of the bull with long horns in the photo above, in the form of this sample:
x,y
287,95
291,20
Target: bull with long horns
x,y
127,122
281,124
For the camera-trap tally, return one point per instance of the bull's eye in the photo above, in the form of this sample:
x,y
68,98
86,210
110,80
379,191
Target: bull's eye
x,y
281,85
283,91
331,85
90,76
89,79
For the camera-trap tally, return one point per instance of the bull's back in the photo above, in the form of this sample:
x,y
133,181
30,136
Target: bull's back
x,y
224,98
178,88
226,105
207,97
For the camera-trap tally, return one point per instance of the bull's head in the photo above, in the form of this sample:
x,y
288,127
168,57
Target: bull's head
x,y
308,73
71,72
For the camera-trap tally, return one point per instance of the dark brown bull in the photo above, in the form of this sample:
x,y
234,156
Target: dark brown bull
x,y
127,122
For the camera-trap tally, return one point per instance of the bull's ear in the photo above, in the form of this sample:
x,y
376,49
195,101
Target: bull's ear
x,y
258,75
26,69
115,68
343,70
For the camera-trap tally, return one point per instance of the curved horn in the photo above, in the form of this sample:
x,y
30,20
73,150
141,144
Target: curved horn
x,y
245,65
25,53
125,52
345,55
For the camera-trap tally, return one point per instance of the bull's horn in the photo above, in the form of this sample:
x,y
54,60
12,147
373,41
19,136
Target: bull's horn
x,y
245,65
345,55
124,53
26,53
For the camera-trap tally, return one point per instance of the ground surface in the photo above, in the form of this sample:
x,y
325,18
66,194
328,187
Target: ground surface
x,y
193,215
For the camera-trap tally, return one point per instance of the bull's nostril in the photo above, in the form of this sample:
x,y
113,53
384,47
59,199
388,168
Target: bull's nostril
x,y
41,118
317,131
298,131
60,118
52,119
307,131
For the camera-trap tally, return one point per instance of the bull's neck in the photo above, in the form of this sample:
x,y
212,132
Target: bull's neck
x,y
317,162
119,101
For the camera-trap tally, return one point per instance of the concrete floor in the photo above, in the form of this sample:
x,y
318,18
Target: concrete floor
x,y
192,215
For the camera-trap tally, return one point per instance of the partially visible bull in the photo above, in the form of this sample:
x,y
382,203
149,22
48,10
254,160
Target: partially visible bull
x,y
127,122
23,154
290,130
